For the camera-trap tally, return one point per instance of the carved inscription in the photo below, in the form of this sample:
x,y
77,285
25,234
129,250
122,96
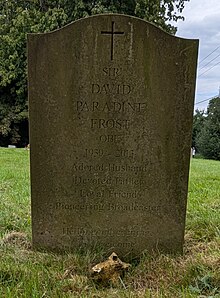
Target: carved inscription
x,y
133,231
101,106
116,207
112,72
118,153
110,167
114,106
110,123
111,89
114,180
112,138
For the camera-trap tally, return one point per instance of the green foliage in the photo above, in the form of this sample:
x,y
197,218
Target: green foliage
x,y
204,285
17,18
198,122
208,139
13,118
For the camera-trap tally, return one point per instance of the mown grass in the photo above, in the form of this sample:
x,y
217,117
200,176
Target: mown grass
x,y
27,273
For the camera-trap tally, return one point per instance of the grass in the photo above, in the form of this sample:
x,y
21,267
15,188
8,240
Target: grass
x,y
27,273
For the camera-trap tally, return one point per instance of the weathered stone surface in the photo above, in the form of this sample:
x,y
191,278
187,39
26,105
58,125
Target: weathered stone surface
x,y
111,102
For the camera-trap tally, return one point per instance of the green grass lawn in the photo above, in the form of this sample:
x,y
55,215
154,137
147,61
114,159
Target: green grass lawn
x,y
27,273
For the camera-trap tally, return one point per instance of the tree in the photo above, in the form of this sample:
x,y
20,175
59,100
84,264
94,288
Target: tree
x,y
17,18
198,123
208,140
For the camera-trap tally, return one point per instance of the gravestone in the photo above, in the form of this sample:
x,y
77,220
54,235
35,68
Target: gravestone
x,y
111,104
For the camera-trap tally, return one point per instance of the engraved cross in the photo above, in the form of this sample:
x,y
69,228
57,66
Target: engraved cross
x,y
112,32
